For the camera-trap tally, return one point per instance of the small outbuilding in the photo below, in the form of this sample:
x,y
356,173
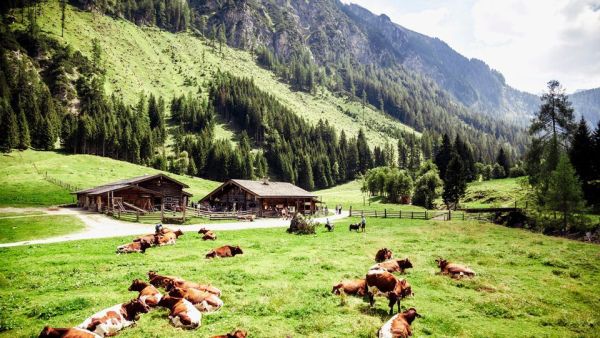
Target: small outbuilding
x,y
264,197
143,193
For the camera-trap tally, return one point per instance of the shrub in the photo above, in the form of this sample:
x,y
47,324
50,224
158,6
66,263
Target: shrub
x,y
516,171
302,226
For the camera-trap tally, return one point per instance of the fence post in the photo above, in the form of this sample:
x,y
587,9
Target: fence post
x,y
449,215
375,213
400,214
412,214
463,216
350,211
384,213
425,214
137,216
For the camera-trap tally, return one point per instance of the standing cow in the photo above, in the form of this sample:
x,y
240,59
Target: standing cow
x,y
379,281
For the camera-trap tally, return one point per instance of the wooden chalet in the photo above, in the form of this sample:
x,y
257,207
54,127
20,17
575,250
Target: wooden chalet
x,y
141,194
265,198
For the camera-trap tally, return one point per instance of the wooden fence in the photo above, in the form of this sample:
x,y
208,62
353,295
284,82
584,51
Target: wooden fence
x,y
424,215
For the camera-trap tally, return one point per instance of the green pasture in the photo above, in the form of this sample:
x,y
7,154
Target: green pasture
x,y
16,229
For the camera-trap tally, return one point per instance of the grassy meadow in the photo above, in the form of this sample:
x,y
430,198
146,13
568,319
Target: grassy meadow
x,y
23,184
528,285
26,227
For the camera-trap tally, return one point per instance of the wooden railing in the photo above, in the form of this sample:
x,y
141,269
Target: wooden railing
x,y
424,215
203,213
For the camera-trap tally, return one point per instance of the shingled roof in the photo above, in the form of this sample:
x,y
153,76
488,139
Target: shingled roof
x,y
265,189
128,183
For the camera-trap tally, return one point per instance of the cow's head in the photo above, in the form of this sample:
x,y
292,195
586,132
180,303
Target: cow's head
x,y
441,262
236,250
48,331
137,285
169,284
403,289
178,233
152,274
134,308
176,292
404,263
202,231
411,314
168,301
237,334
144,245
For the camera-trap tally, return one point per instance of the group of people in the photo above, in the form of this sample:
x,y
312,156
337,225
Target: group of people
x,y
338,209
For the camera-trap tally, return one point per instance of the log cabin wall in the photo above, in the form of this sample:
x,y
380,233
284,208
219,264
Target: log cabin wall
x,y
171,191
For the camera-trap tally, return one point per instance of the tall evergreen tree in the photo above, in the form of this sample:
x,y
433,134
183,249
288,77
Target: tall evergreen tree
x,y
365,159
502,160
580,154
24,136
564,190
444,155
455,182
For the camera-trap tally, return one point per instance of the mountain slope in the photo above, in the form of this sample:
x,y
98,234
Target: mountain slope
x,y
587,103
147,59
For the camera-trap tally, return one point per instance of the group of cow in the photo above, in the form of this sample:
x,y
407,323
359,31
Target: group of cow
x,y
381,281
185,300
166,236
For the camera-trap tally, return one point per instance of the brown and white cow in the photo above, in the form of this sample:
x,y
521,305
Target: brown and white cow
x,y
380,281
160,280
202,300
134,247
394,265
234,334
383,255
225,251
148,294
168,238
454,270
110,321
399,325
207,234
182,313
72,332
357,287
169,282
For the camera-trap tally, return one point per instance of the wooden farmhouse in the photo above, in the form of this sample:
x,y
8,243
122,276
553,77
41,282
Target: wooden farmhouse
x,y
143,194
265,198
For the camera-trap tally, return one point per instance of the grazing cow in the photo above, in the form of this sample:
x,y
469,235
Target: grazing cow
x,y
394,265
383,255
134,247
225,251
148,238
110,321
454,270
379,281
234,334
399,325
202,300
207,234
148,294
357,227
356,287
182,313
72,332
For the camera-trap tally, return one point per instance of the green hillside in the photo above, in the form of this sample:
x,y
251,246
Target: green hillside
x,y
23,184
146,59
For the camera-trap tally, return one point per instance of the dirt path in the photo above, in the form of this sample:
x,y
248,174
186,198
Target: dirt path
x,y
101,226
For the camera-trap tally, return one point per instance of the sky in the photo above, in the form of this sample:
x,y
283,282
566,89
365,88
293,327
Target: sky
x,y
530,41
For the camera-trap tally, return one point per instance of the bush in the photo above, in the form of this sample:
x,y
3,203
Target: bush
x,y
302,226
498,171
516,171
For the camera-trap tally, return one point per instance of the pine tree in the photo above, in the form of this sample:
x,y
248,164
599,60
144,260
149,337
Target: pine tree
x,y
365,159
564,190
24,137
444,155
502,160
9,128
47,135
466,155
580,154
455,182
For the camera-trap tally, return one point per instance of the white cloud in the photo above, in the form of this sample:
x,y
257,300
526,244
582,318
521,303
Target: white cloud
x,y
530,42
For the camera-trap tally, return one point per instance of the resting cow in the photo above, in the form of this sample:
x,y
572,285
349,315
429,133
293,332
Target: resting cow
x,y
357,287
182,312
169,282
148,294
133,247
148,238
383,255
225,251
381,281
234,334
454,270
207,234
392,265
202,300
168,238
72,332
399,325
110,321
